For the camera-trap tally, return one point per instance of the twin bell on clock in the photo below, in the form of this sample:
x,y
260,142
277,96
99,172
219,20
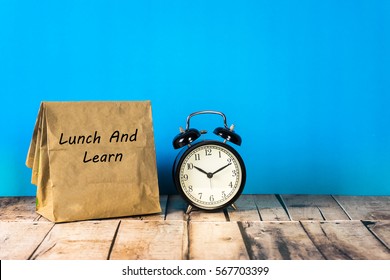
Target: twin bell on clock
x,y
209,174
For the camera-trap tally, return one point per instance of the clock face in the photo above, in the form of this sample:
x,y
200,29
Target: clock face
x,y
211,175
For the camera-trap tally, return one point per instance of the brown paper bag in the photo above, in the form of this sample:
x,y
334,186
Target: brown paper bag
x,y
93,160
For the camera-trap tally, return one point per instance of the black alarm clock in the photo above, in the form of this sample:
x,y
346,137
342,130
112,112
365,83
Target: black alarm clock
x,y
209,174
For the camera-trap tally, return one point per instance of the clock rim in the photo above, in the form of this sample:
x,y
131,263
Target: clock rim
x,y
182,155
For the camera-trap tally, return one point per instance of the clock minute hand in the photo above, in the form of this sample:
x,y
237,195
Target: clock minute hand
x,y
221,168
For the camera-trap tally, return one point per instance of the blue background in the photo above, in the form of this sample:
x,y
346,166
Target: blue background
x,y
305,82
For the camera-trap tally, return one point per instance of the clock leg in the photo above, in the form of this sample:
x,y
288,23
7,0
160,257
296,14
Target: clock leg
x,y
189,209
234,206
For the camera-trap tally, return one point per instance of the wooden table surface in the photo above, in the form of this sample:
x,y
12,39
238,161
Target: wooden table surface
x,y
271,227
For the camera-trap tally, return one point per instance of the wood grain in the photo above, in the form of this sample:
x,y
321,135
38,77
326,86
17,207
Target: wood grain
x,y
156,240
270,208
77,241
366,207
278,241
152,217
346,240
259,229
381,230
18,240
314,207
246,209
18,209
206,216
216,241
176,208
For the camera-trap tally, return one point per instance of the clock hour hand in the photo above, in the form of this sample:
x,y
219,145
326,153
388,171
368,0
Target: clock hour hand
x,y
201,170
209,174
222,168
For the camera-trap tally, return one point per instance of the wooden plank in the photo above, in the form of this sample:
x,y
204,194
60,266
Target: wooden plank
x,y
176,208
18,240
246,209
18,209
270,208
151,240
216,240
313,207
207,216
200,215
152,217
366,207
79,240
381,229
346,240
278,241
